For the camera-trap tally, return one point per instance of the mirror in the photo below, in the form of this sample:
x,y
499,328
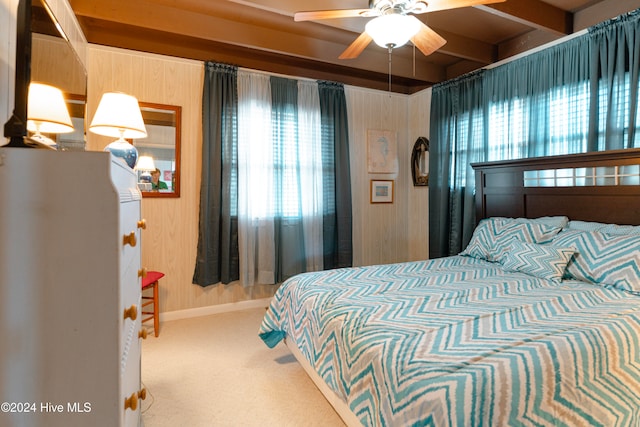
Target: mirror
x,y
420,162
55,62
44,54
162,145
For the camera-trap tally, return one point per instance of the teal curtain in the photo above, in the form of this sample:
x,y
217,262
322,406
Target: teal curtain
x,y
217,257
457,107
533,105
288,231
615,52
578,96
337,217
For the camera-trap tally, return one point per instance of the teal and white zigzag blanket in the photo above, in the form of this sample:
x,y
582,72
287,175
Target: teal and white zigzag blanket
x,y
460,342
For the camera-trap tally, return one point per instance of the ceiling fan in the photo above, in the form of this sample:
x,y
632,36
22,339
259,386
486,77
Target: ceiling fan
x,y
393,24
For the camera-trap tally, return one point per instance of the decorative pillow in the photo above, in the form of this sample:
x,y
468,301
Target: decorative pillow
x,y
482,241
544,261
554,221
492,236
603,258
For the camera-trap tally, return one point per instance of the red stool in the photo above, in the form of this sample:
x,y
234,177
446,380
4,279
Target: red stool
x,y
150,281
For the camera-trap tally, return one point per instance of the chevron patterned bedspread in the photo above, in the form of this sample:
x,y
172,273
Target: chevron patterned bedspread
x,y
460,342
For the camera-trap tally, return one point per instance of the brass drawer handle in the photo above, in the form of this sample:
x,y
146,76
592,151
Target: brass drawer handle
x,y
131,312
131,402
142,224
129,239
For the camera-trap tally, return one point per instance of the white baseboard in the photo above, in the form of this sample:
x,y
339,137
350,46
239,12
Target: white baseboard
x,y
214,309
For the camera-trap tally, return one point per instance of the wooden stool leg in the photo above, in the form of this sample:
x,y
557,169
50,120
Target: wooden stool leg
x,y
156,310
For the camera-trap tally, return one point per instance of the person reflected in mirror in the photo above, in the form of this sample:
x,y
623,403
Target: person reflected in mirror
x,y
156,184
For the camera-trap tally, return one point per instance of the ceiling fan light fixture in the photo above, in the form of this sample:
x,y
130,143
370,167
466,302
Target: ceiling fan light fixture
x,y
393,30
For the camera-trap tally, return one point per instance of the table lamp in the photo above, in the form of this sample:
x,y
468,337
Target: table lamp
x,y
47,112
119,115
145,165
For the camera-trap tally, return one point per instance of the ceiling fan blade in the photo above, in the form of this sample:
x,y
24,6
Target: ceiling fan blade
x,y
356,47
435,5
427,40
331,14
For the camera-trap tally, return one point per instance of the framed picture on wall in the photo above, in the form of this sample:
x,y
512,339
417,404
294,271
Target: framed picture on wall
x,y
381,191
382,151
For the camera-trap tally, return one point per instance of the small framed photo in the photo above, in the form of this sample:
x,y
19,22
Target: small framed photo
x,y
381,191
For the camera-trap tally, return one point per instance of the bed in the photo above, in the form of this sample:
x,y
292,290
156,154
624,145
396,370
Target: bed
x,y
536,322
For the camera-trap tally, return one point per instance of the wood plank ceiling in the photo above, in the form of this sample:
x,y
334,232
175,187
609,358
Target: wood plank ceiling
x,y
262,35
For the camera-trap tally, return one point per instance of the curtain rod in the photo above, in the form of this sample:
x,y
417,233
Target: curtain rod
x,y
269,73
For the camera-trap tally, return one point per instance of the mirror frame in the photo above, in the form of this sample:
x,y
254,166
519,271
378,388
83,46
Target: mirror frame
x,y
16,127
177,110
419,149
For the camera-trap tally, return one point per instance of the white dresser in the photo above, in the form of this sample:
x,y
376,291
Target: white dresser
x,y
70,234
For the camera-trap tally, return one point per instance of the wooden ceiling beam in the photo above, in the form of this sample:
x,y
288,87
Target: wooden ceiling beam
x,y
524,42
534,13
146,40
467,48
249,27
273,39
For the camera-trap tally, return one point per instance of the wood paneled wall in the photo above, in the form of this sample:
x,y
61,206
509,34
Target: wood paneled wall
x,y
66,18
385,233
382,233
418,209
46,53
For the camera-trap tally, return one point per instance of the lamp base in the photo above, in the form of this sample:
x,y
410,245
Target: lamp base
x,y
124,150
145,177
39,142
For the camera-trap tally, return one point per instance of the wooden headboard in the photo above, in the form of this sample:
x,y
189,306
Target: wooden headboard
x,y
599,186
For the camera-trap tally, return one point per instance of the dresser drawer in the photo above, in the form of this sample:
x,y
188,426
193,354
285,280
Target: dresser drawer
x,y
130,281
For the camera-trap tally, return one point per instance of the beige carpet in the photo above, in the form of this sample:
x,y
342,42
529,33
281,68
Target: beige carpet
x,y
215,371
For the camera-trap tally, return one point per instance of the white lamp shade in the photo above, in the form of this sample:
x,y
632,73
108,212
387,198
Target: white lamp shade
x,y
393,30
118,115
146,163
46,110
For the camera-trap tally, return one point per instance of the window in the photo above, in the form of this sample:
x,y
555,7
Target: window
x,y
556,121
583,177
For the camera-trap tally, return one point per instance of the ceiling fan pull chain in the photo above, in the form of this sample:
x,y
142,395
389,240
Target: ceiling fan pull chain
x,y
414,60
390,48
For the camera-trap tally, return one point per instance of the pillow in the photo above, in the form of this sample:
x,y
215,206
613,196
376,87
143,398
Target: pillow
x,y
492,236
544,261
555,221
603,258
620,230
585,225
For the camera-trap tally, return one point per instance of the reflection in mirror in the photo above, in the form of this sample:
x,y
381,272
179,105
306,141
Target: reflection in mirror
x,y
74,141
420,162
55,62
161,148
